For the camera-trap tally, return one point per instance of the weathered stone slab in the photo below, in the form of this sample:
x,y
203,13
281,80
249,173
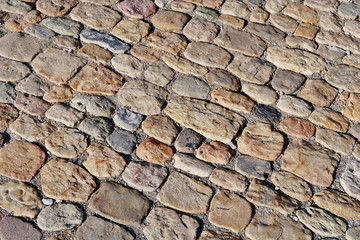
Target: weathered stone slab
x,y
214,152
301,12
62,26
189,86
228,179
94,105
169,42
14,6
155,152
137,8
169,21
260,93
183,65
127,119
64,114
344,77
122,141
265,32
55,8
222,78
351,106
97,127
297,127
33,85
128,65
294,106
14,228
253,167
339,40
192,165
350,178
201,30
8,115
330,119
20,47
338,142
131,30
161,128
160,74
187,141
12,71
96,53
318,92
233,100
30,128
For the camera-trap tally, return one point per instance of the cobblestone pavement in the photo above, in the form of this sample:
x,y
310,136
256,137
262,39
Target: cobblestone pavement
x,y
168,119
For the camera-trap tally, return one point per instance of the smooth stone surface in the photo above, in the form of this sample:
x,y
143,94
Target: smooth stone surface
x,y
127,65
94,105
20,199
170,21
57,66
155,152
260,93
297,127
66,143
127,119
159,74
192,165
103,162
96,79
185,194
201,30
161,128
62,26
183,65
191,87
19,47
97,229
137,8
222,78
122,141
144,177
228,179
311,162
68,116
164,223
97,127
187,141
104,40
350,179
60,217
214,152
111,201
225,209
12,71
253,167
203,118
12,228
330,119
21,160
318,92
338,142
55,8
131,30
294,106
7,93
169,42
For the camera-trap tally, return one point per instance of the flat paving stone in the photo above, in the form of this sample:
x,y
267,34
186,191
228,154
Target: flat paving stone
x,y
128,65
169,42
214,152
14,6
350,109
192,165
159,74
185,194
12,71
201,30
7,92
338,142
153,151
127,119
297,127
170,21
218,235
222,78
330,119
111,201
68,116
160,127
8,115
55,8
97,127
144,53
16,46
184,66
228,179
318,92
234,101
350,178
131,8
122,141
352,233
253,167
62,26
187,141
262,94
31,105
33,85
12,228
189,86
96,53
94,105
294,106
58,94
287,81
131,30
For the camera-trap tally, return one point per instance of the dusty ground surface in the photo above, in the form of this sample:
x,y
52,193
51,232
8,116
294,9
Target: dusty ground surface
x,y
167,119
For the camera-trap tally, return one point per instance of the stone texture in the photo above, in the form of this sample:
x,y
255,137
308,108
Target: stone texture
x,y
63,180
97,127
253,167
170,21
235,8
351,104
30,104
185,194
297,127
137,8
12,228
228,179
203,118
189,86
58,94
214,152
352,27
7,92
153,151
33,85
55,8
21,160
131,30
60,217
68,116
338,203
30,128
66,143
259,140
128,65
231,21
179,6
338,142
260,93
144,177
292,185
265,32
12,71
295,60
218,235
102,2
330,119
187,141
240,41
164,223
127,119
259,193
97,229
8,115
232,100
192,165
183,65
122,141
294,106
95,53
301,12
225,209
222,78
321,222
311,162
13,6
160,74
111,201
266,114
96,79
103,162
318,92
283,22
339,40
145,53
169,42
142,97
161,128
207,13
344,77
348,10
66,42
350,178
19,47
55,65
19,199
94,105
200,30
62,26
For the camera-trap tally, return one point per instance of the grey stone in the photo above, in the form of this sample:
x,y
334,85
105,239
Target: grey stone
x,y
353,233
33,85
188,140
14,6
287,81
62,26
104,40
144,176
39,31
192,165
208,13
266,113
12,228
94,105
350,179
97,127
60,217
253,167
68,116
159,74
190,87
349,10
7,93
122,141
127,119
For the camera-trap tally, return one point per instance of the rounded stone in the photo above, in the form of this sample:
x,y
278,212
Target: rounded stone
x,y
12,228
153,151
12,71
350,179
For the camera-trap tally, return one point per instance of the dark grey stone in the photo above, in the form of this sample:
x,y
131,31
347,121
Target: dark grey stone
x,y
39,32
188,140
7,93
252,167
122,141
97,127
127,119
266,113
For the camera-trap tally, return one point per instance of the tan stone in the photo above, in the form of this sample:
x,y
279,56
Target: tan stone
x,y
301,43
145,53
19,47
207,3
214,152
208,119
30,104
161,128
96,79
306,30
169,21
68,116
240,41
283,22
218,235
95,53
66,42
231,21
201,30
184,66
159,74
338,142
352,60
327,118
169,42
275,6
31,129
301,12
260,93
55,8
330,22
17,7
351,107
180,6
34,16
294,106
58,94
235,8
185,194
344,77
292,185
297,127
338,203
339,40
95,16
352,27
350,178
20,199
228,179
327,6
232,100
192,165
259,15
153,151
128,65
131,30
66,143
261,194
8,115
15,24
21,160
295,60
225,209
265,32
64,180
12,71
259,140
222,78
311,162
318,92
56,65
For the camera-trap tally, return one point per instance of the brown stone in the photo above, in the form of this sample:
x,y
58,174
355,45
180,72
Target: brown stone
x,y
96,79
34,16
58,94
19,47
30,128
169,21
218,235
15,24
301,12
161,128
339,40
145,53
207,3
131,30
64,180
233,100
259,140
228,179
301,43
21,160
12,228
8,114
327,118
231,21
222,78
283,22
66,42
260,93
294,106
12,71
259,15
30,104
201,30
327,6
297,127
95,53
311,162
184,66
214,152
318,92
154,151
306,30
235,8
351,106
169,42
137,8
338,142
55,8
265,32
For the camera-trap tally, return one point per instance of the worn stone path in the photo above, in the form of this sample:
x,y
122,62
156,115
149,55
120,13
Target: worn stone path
x,y
179,119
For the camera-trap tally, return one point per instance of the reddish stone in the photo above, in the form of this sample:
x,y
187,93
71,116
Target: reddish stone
x,y
137,8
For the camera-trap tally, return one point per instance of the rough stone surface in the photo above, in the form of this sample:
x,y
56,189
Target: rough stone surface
x,y
62,26
297,127
260,93
318,92
294,106
169,42
253,167
338,142
95,53
30,128
222,78
187,141
161,128
19,47
33,85
214,152
353,233
63,114
182,65
144,53
12,228
131,30
153,151
127,119
192,165
233,100
94,105
160,74
170,21
192,87
12,71
55,8
8,115
8,94
350,179
30,104
266,113
228,179
137,8
351,106
330,119
201,30
97,127
122,141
